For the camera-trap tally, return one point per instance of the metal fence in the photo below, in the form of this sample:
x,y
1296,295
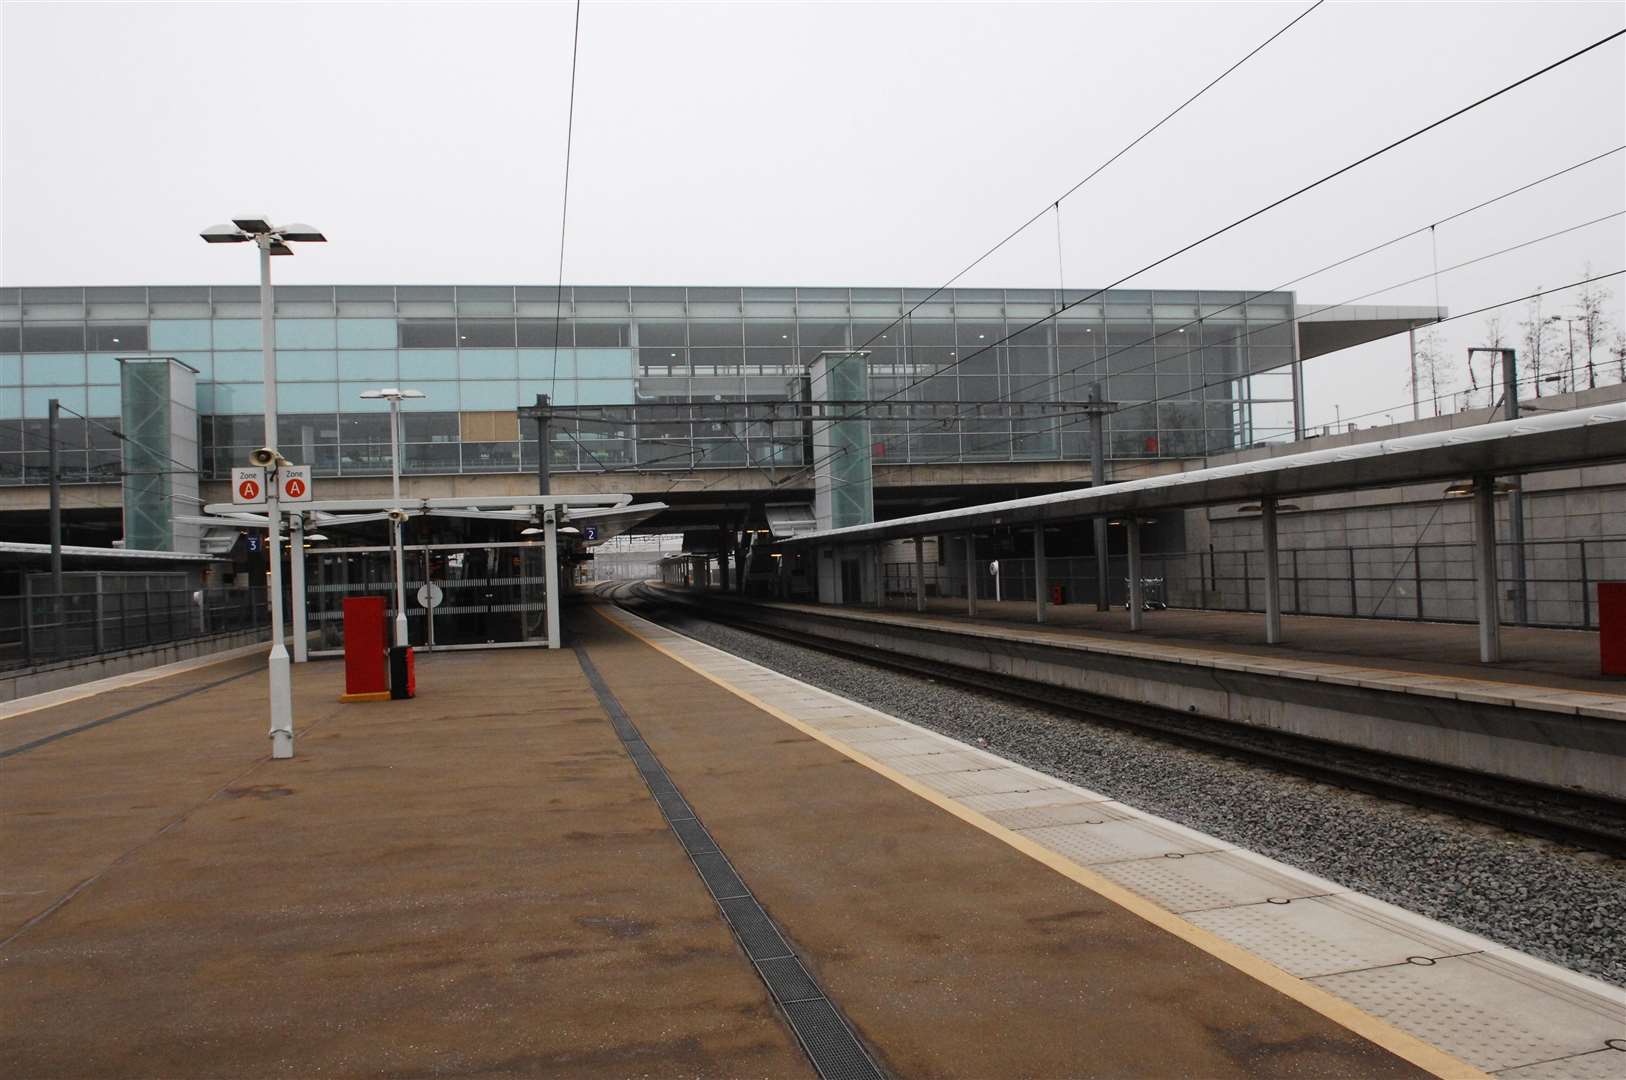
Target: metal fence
x,y
34,629
1431,582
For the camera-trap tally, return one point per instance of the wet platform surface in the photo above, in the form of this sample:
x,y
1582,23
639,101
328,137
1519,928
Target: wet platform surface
x,y
478,881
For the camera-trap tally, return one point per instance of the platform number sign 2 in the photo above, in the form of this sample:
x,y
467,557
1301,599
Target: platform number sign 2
x,y
248,486
590,533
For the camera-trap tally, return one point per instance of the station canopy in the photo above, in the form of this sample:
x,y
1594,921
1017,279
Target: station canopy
x,y
1538,443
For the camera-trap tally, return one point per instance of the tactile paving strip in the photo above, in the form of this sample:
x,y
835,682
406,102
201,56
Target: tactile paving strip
x,y
827,1039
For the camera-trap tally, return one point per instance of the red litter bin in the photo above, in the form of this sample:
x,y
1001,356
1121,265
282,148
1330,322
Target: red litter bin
x,y
1612,626
1058,594
366,636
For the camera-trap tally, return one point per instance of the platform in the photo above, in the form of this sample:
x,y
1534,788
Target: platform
x,y
1533,656
493,878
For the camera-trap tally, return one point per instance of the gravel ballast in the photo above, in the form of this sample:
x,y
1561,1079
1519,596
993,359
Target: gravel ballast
x,y
1560,904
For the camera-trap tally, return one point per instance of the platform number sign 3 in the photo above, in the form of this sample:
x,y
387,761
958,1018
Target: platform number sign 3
x,y
248,487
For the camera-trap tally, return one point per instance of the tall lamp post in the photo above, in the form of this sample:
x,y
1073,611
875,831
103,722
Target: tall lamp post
x,y
271,240
395,395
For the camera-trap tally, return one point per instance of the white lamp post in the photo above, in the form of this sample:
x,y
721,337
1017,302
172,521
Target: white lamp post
x,y
271,240
394,395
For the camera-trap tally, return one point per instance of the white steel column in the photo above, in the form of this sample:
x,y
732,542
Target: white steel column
x,y
1040,577
880,574
296,585
550,553
1485,584
920,573
1273,575
395,526
279,677
971,575
1137,598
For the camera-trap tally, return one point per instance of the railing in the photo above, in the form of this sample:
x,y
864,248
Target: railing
x,y
1429,582
36,630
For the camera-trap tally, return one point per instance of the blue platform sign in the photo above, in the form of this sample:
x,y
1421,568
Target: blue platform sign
x,y
590,533
254,541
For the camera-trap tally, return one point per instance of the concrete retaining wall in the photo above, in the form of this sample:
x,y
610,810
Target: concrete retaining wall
x,y
1541,747
89,669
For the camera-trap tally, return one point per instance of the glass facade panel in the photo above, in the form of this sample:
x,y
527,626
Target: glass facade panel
x,y
365,333
228,334
474,351
488,364
306,334
369,363
427,363
58,370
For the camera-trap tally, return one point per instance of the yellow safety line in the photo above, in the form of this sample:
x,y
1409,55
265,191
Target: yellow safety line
x,y
1402,1044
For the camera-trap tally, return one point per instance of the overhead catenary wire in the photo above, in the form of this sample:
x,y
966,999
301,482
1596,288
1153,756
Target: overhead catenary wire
x,y
1229,377
1232,376
1281,201
564,201
1093,173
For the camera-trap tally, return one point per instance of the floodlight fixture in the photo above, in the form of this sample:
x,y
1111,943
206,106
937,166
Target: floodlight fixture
x,y
302,234
279,248
315,536
531,530
253,223
225,234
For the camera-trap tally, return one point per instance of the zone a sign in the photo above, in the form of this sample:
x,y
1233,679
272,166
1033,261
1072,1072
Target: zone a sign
x,y
296,483
248,486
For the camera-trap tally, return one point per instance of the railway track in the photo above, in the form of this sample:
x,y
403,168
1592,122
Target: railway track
x,y
1567,817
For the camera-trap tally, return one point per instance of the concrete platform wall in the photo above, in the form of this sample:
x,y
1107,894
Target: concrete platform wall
x,y
89,669
1566,751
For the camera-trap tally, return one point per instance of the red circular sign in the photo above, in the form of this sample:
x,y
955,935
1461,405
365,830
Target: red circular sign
x,y
295,488
249,490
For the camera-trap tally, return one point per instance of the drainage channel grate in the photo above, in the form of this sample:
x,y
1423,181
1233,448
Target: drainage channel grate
x,y
829,1042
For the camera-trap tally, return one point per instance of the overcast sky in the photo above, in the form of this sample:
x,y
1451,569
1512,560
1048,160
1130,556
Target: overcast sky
x,y
818,144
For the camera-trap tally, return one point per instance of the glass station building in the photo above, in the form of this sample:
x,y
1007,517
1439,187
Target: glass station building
x,y
1193,372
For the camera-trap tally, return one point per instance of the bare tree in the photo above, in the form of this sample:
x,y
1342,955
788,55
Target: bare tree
x,y
1435,373
1619,349
1590,303
1494,338
1540,341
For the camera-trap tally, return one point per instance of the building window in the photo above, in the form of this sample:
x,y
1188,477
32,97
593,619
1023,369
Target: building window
x,y
69,337
116,337
428,333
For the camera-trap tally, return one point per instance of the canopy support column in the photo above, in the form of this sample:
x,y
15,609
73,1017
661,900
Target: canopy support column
x,y
1137,592
1485,584
296,585
971,574
920,573
550,559
1041,586
1273,575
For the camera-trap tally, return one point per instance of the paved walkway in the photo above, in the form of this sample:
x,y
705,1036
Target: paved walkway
x,y
478,882
473,882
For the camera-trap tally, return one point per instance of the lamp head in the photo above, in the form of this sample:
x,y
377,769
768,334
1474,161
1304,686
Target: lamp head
x,y
224,234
